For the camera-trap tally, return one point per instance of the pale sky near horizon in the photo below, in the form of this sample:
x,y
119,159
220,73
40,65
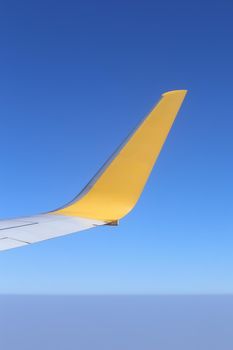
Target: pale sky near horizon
x,y
76,77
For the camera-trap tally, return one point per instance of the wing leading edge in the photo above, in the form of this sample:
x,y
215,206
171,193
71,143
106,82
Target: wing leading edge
x,y
114,190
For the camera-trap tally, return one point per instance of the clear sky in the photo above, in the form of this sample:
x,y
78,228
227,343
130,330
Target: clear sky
x,y
76,77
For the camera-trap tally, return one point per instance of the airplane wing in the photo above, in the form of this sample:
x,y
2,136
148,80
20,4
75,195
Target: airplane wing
x,y
113,191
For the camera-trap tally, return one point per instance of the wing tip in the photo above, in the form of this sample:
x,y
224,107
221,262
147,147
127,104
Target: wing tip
x,y
175,92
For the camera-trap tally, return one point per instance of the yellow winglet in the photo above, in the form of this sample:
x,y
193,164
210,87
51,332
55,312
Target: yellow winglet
x,y
115,190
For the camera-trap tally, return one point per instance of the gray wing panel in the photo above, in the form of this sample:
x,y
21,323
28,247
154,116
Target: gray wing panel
x,y
22,231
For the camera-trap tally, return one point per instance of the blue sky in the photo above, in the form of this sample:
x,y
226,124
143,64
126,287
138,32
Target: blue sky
x,y
76,77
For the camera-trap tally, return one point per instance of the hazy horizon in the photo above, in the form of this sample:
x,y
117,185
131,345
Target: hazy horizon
x,y
87,322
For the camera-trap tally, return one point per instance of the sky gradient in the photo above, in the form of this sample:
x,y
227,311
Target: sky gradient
x,y
76,77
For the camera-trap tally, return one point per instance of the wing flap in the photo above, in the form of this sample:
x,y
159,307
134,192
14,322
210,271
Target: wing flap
x,y
8,243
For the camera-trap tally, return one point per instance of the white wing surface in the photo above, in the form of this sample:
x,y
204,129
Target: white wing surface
x,y
27,230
